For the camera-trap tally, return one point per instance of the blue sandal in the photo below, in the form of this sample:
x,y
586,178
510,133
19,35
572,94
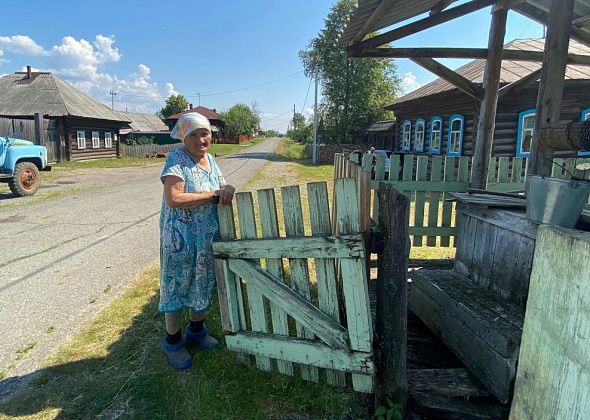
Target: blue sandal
x,y
178,356
202,339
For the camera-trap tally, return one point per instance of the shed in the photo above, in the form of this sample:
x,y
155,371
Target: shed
x,y
381,135
426,114
217,124
146,125
73,125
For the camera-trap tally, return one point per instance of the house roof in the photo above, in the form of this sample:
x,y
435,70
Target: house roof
x,y
388,125
372,15
48,95
144,122
210,114
511,70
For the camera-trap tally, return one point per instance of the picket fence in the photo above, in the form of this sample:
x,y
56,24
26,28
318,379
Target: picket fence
x,y
146,150
428,180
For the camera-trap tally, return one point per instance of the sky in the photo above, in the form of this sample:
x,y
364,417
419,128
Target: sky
x,y
218,53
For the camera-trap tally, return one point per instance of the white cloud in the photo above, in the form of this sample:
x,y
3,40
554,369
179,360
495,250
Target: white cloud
x,y
409,83
21,44
170,90
3,60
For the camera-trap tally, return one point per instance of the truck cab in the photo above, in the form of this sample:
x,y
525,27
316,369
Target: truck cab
x,y
20,163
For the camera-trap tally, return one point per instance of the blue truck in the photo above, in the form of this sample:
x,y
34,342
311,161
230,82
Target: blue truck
x,y
20,163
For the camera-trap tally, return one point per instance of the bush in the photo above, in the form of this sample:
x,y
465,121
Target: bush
x,y
139,140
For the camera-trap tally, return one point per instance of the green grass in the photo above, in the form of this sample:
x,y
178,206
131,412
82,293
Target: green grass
x,y
292,149
228,149
115,367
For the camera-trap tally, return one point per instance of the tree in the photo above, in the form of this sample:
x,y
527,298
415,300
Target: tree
x,y
354,91
240,119
174,105
298,121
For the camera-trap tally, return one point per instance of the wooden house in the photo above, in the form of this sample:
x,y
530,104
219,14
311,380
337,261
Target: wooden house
x,y
381,135
146,125
70,123
217,124
438,118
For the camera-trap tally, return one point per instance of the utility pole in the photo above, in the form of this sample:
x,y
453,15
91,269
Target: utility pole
x,y
314,158
199,95
113,94
294,117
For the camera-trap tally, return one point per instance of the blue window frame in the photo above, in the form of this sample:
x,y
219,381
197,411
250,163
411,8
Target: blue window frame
x,y
419,135
526,126
436,127
585,116
406,135
455,139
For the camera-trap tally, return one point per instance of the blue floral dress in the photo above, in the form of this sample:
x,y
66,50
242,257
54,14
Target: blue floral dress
x,y
187,273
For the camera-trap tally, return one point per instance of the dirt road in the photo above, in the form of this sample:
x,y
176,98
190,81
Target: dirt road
x,y
64,258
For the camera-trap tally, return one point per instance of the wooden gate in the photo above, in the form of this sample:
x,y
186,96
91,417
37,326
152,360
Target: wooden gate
x,y
300,298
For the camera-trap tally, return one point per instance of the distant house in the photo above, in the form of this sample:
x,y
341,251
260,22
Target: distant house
x,y
145,125
73,125
381,135
439,119
217,124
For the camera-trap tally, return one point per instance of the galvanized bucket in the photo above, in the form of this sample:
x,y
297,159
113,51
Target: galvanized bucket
x,y
555,201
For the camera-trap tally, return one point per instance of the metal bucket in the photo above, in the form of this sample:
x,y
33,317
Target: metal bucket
x,y
555,201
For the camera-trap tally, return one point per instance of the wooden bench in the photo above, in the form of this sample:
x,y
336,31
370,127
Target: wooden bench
x,y
477,309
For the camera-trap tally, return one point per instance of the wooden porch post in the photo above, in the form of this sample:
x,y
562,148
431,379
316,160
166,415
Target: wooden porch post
x,y
487,113
559,28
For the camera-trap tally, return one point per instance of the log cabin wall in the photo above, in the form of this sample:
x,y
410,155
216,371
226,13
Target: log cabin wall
x,y
90,125
576,97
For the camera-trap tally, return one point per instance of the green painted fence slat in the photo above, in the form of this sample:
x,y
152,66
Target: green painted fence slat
x,y
556,169
492,170
379,176
439,186
408,173
506,187
293,216
517,169
421,175
247,220
433,204
438,231
394,168
447,206
317,193
367,162
270,229
463,176
503,169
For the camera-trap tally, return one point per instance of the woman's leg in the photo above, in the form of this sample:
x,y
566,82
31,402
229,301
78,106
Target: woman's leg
x,y
172,320
198,333
197,320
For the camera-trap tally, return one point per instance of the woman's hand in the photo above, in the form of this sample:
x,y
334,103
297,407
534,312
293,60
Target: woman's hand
x,y
226,194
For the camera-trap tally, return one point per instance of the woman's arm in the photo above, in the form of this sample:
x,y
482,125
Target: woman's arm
x,y
177,198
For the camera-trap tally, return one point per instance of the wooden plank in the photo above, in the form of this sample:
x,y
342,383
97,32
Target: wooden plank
x,y
270,229
317,193
505,220
354,276
350,246
227,231
470,88
433,203
503,169
559,28
451,383
502,187
379,176
293,216
462,176
557,168
553,379
492,178
434,186
408,175
302,351
447,207
228,300
394,165
433,406
520,83
392,303
421,175
517,170
304,312
433,231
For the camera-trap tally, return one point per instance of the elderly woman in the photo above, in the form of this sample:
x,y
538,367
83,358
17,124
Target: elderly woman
x,y
193,184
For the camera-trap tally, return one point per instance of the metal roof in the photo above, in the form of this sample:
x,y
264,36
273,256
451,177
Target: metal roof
x,y
210,114
388,125
144,122
511,70
48,95
402,10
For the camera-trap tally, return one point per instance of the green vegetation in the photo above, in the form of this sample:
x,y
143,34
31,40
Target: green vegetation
x,y
240,119
115,367
50,330
22,352
174,105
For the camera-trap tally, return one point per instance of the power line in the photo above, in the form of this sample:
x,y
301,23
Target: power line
x,y
305,101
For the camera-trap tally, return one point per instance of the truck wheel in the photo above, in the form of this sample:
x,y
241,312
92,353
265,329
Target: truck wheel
x,y
26,179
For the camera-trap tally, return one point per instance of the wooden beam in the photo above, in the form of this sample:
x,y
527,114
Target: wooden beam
x,y
551,84
328,330
473,53
450,76
514,86
487,115
380,10
349,246
441,6
422,24
300,350
582,21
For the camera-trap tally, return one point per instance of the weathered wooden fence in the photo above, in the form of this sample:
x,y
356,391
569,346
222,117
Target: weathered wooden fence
x,y
312,311
146,150
428,180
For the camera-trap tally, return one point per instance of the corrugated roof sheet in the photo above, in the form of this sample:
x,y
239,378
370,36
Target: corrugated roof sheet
x,y
511,70
144,122
206,112
48,95
388,125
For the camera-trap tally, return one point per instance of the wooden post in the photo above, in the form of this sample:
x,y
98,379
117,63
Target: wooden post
x,y
38,129
392,299
487,113
551,86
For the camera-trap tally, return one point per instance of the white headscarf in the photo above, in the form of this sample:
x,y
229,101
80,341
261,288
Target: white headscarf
x,y
188,123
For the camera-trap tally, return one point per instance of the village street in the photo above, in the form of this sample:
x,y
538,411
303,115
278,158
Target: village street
x,y
62,260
